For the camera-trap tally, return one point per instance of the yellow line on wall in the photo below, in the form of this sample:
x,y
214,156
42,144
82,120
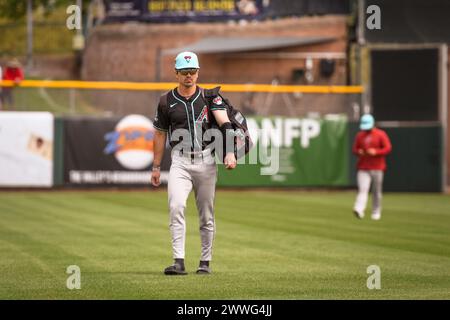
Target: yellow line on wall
x,y
161,86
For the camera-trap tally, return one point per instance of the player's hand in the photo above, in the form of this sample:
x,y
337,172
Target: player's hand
x,y
372,152
156,174
230,161
361,152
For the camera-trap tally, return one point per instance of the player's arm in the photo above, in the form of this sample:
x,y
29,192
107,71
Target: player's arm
x,y
221,117
159,144
19,76
161,125
357,148
224,124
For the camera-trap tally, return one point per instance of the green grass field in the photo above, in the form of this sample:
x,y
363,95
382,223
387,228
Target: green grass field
x,y
269,245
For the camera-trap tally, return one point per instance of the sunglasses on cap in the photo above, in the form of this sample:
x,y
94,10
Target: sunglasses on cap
x,y
185,72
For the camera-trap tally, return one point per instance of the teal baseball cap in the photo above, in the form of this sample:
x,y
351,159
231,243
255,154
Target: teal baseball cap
x,y
367,122
186,60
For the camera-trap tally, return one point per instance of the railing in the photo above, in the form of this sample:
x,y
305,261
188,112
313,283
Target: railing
x,y
120,98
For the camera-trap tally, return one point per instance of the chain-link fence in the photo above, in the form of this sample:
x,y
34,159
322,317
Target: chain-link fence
x,y
123,102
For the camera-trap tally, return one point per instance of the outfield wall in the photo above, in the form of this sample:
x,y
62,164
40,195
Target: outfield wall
x,y
415,163
40,150
116,151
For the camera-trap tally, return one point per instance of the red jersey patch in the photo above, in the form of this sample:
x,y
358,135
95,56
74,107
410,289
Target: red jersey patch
x,y
217,100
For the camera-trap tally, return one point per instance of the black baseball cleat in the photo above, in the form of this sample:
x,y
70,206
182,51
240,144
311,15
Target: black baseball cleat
x,y
175,270
204,268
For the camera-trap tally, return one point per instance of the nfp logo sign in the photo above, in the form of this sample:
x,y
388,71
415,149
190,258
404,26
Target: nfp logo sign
x,y
132,142
281,132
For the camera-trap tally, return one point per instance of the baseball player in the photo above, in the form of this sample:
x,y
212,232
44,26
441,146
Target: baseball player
x,y
371,145
183,114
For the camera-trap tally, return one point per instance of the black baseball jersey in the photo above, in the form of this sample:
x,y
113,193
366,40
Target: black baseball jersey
x,y
189,114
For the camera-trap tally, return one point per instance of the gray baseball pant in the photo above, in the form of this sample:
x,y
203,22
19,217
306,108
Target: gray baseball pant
x,y
186,173
365,178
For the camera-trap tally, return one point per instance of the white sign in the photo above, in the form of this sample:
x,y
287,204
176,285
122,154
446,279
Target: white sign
x,y
26,149
280,132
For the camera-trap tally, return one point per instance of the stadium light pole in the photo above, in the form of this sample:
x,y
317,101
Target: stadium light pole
x,y
158,64
29,35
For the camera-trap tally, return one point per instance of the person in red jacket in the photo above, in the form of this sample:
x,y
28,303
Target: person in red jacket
x,y
13,71
371,145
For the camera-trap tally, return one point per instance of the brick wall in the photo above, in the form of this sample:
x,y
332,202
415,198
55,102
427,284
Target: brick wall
x,y
129,52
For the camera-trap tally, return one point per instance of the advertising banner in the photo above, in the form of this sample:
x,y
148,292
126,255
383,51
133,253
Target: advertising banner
x,y
183,10
123,10
218,10
26,149
293,152
288,152
110,151
202,10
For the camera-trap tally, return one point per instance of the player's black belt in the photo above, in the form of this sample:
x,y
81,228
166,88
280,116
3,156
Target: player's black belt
x,y
195,154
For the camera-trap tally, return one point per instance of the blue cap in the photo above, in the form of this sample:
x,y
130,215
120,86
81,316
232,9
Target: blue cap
x,y
367,122
186,60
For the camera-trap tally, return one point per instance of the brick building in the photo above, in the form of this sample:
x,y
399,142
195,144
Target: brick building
x,y
248,52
